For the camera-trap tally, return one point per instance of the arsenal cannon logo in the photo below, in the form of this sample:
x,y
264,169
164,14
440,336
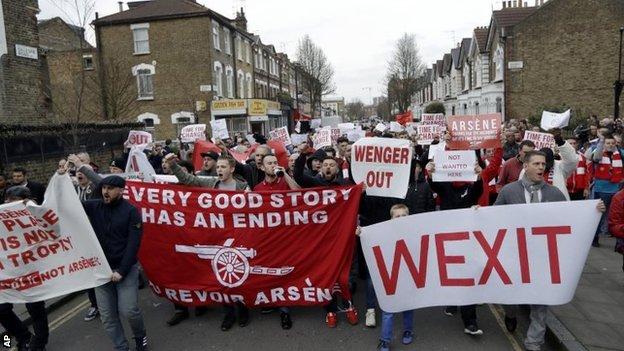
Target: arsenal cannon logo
x,y
231,264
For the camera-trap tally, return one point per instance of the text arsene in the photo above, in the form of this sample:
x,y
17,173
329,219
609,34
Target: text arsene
x,y
475,125
402,254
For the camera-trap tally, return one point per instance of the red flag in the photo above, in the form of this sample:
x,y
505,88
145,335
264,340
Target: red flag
x,y
405,118
202,146
298,116
255,251
279,150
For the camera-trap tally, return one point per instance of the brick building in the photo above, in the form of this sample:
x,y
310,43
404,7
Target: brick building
x,y
193,65
531,58
21,66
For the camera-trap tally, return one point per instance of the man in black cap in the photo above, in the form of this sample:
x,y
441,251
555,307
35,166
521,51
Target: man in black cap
x,y
117,225
209,167
117,166
8,319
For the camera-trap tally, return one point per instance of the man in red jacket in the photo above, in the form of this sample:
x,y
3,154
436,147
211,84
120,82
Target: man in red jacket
x,y
491,169
578,182
616,221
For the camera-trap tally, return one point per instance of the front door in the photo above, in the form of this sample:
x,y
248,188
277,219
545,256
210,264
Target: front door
x,y
257,127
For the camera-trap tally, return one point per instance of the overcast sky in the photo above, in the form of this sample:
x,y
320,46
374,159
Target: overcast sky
x,y
356,35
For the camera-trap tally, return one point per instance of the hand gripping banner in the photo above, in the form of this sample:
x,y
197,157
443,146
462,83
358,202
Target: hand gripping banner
x,y
202,246
512,254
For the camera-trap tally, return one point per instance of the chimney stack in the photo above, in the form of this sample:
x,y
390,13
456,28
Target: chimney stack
x,y
120,6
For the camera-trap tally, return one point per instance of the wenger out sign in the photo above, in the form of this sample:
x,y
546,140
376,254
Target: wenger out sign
x,y
383,165
513,254
475,132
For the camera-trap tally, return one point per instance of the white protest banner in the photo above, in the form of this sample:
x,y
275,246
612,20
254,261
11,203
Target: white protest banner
x,y
193,132
552,120
454,166
383,164
49,250
380,127
434,118
138,137
281,134
511,254
315,123
540,139
298,139
426,133
395,127
138,163
433,148
219,129
322,138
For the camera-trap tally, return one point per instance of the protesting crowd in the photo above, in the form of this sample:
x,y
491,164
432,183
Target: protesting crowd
x,y
441,164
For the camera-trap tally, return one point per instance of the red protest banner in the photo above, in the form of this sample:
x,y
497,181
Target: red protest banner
x,y
474,132
202,247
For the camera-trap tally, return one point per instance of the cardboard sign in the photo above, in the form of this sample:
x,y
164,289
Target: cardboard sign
x,y
322,138
551,120
383,164
281,134
512,254
138,137
193,132
396,127
475,132
49,250
454,166
219,129
433,149
541,140
434,118
380,127
426,133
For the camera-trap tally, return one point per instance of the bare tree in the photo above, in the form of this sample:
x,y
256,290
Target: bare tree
x,y
119,89
355,109
404,67
320,73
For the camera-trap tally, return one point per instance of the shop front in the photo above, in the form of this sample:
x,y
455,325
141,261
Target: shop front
x,y
249,115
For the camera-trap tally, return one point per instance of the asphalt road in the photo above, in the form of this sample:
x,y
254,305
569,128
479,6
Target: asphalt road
x,y
433,331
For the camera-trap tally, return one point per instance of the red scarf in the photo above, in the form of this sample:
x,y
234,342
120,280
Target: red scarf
x,y
610,168
548,177
579,180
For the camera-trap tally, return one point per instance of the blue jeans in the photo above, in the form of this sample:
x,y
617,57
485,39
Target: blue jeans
x,y
371,298
386,324
121,298
603,227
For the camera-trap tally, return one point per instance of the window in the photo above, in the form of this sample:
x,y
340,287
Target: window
x,y
248,51
87,62
229,76
218,78
499,105
226,41
145,84
140,36
215,36
239,49
249,86
257,60
241,84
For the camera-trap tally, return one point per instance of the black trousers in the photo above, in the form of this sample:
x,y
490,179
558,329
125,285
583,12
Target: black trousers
x,y
15,327
468,314
92,299
577,196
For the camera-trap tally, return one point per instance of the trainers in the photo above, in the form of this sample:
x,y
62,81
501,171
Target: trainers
x,y
228,321
286,321
177,317
383,346
473,330
450,310
141,344
370,318
352,315
511,323
92,313
331,319
408,337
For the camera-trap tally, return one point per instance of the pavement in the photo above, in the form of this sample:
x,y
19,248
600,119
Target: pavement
x,y
594,320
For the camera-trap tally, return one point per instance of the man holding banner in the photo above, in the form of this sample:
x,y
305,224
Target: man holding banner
x,y
531,188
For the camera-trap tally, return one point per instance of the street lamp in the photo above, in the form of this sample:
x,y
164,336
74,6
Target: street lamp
x,y
617,87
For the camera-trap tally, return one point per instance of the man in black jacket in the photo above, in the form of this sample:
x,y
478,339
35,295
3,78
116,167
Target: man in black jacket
x,y
117,225
456,195
20,177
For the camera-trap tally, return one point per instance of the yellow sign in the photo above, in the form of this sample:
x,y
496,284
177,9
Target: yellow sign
x,y
220,105
257,107
274,106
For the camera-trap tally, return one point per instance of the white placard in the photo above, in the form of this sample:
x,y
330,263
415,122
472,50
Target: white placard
x,y
138,137
426,133
315,123
250,138
193,132
512,254
383,164
219,129
65,255
433,148
345,128
322,138
138,163
380,127
281,134
434,118
454,166
396,127
541,140
552,120
298,139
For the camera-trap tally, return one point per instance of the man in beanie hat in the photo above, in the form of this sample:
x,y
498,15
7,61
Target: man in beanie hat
x,y
209,167
117,166
117,225
8,319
